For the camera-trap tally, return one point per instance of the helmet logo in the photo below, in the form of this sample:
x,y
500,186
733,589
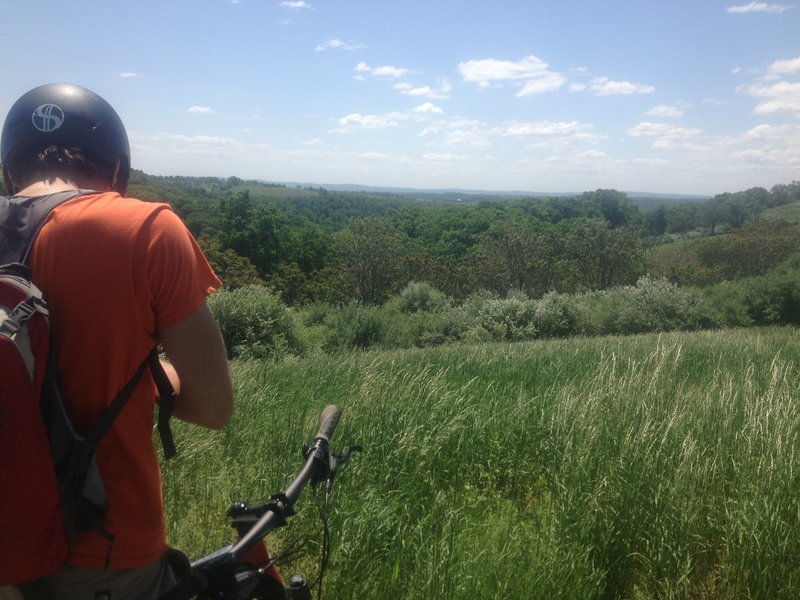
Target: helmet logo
x,y
47,118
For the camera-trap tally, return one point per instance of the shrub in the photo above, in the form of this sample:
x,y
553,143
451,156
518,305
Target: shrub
x,y
560,315
420,297
355,326
655,305
723,305
509,319
255,323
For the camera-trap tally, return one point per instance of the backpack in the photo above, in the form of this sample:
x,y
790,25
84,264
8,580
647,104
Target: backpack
x,y
50,486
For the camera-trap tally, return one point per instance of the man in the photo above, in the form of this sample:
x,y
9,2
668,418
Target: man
x,y
120,276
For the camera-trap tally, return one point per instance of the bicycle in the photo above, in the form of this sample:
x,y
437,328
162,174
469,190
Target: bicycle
x,y
244,569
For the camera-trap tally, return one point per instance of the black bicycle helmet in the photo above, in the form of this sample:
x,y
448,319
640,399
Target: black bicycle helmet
x,y
69,116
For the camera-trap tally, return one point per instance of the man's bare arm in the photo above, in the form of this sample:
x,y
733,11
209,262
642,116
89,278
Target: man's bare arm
x,y
198,369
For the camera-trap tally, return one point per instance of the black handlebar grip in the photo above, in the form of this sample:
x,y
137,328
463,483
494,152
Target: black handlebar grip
x,y
328,421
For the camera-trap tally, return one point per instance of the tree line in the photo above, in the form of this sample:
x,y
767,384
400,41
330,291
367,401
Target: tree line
x,y
312,244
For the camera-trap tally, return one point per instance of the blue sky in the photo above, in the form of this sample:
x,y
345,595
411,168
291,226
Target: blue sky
x,y
664,96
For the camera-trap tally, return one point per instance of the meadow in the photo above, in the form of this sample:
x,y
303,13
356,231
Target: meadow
x,y
650,466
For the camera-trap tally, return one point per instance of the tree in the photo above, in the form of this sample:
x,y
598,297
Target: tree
x,y
256,231
233,270
605,257
613,206
518,253
368,250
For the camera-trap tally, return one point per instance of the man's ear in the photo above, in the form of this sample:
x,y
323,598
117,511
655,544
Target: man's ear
x,y
119,180
10,186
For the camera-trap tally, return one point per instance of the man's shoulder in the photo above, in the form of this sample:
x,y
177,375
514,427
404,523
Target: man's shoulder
x,y
112,206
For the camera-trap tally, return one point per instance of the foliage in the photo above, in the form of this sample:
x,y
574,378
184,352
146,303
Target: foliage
x,y
313,244
561,315
255,323
654,466
354,327
654,305
419,296
233,270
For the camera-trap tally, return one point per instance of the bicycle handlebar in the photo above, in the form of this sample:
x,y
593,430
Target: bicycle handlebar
x,y
204,571
328,421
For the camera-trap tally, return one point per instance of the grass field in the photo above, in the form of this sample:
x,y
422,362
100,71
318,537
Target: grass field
x,y
660,466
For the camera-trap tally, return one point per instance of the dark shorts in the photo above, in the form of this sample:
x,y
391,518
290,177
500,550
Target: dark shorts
x,y
72,583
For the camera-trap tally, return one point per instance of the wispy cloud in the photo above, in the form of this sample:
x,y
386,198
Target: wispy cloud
x,y
557,132
200,110
669,111
663,130
778,97
429,108
441,92
603,86
296,4
384,71
532,71
759,7
776,94
337,44
129,75
377,121
783,67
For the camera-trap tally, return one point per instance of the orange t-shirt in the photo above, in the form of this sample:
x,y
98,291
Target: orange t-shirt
x,y
115,271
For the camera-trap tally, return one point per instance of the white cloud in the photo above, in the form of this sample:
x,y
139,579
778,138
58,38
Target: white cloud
x,y
426,91
549,82
663,130
385,71
465,137
784,67
129,75
295,4
380,121
778,97
200,110
484,71
759,7
429,108
381,156
444,157
532,70
593,154
552,134
576,87
603,86
670,111
337,44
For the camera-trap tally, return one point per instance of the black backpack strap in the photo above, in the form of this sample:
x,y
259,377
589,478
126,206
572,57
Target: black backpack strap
x,y
166,404
22,219
166,395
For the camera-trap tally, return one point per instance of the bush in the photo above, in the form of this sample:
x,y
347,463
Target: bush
x,y
560,315
255,323
420,297
724,306
508,319
655,305
355,327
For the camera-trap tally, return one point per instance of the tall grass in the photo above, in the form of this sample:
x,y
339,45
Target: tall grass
x,y
656,466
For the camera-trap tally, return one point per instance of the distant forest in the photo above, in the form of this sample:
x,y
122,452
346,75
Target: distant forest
x,y
316,245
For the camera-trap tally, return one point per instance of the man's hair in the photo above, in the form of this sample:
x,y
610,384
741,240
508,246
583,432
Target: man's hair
x,y
57,162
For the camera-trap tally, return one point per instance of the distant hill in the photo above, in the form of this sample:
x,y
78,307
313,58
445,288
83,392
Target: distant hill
x,y
643,199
